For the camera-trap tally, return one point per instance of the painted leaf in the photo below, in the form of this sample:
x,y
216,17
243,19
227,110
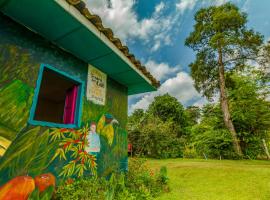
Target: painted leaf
x,y
34,195
18,150
44,152
47,194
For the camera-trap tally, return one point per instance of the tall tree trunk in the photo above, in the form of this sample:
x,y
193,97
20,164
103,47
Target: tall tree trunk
x,y
225,105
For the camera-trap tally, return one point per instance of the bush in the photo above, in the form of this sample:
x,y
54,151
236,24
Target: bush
x,y
160,132
156,138
190,152
212,143
141,176
139,183
82,189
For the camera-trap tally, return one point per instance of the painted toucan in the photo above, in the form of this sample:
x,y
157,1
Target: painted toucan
x,y
105,127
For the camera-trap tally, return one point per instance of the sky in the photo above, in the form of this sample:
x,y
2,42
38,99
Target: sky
x,y
155,32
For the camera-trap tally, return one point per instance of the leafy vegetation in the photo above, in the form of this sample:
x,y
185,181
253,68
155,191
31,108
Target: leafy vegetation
x,y
158,132
250,114
140,182
201,132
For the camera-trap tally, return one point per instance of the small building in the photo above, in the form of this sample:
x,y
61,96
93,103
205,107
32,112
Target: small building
x,y
64,86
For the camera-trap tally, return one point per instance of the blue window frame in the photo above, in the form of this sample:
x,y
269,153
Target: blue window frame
x,y
78,111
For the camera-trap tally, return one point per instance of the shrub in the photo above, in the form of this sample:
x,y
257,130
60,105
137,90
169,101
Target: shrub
x,y
82,189
147,180
156,138
139,183
163,176
190,151
212,143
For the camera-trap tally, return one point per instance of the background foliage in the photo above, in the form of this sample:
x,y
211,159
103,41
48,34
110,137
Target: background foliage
x,y
160,132
167,129
232,63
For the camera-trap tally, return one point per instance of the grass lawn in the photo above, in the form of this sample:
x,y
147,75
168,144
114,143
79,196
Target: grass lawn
x,y
215,179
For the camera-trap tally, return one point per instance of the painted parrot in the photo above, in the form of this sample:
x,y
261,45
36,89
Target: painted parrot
x,y
105,127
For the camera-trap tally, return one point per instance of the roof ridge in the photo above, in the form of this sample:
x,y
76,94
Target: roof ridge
x,y
97,22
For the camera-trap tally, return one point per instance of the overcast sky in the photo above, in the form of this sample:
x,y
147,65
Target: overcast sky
x,y
155,31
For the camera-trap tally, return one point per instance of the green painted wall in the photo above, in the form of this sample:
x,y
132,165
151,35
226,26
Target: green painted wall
x,y
29,150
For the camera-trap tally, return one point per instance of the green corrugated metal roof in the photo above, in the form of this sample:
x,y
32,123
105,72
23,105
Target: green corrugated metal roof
x,y
49,19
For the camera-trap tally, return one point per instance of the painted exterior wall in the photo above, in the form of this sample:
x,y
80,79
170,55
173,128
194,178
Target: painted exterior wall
x,y
33,150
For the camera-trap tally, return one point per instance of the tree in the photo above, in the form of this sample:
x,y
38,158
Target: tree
x,y
156,138
193,114
250,111
168,108
222,43
265,62
136,118
160,131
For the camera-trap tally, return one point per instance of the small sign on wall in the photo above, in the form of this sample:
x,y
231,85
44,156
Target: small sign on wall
x,y
96,86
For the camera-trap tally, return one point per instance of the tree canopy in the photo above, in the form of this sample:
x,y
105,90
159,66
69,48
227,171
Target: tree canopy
x,y
222,43
222,29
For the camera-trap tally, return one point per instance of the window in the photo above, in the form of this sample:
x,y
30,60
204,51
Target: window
x,y
57,99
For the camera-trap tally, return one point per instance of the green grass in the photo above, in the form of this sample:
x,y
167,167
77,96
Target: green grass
x,y
215,179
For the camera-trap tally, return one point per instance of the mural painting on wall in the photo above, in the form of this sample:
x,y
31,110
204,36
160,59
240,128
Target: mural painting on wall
x,y
55,151
52,155
34,159
72,153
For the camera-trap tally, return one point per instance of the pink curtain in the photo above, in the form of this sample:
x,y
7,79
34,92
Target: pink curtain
x,y
70,105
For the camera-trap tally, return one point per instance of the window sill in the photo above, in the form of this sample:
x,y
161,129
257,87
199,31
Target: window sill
x,y
51,124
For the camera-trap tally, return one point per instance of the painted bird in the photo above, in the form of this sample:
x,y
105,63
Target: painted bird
x,y
4,144
105,127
